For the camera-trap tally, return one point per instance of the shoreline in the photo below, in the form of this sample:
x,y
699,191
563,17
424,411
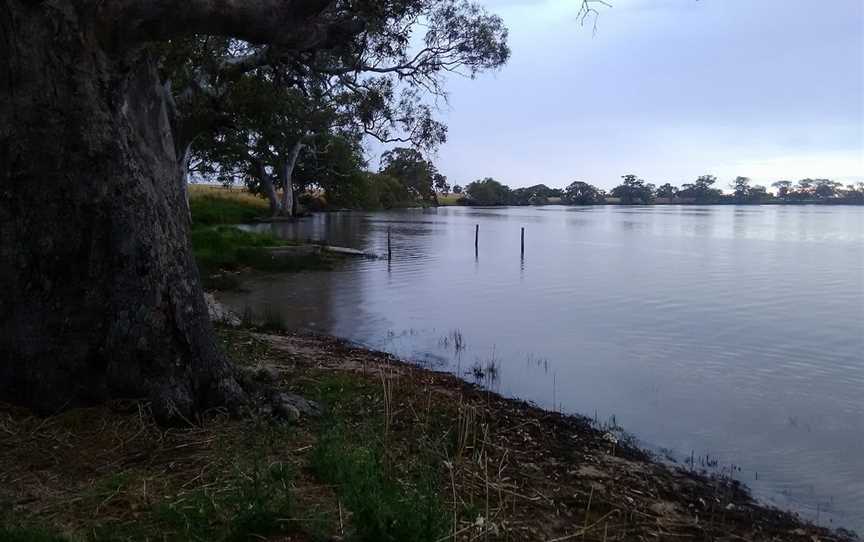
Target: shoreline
x,y
401,452
678,492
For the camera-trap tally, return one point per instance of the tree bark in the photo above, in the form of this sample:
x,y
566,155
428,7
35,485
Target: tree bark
x,y
183,165
269,190
288,197
297,25
100,295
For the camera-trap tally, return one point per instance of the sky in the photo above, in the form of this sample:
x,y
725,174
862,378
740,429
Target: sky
x,y
667,90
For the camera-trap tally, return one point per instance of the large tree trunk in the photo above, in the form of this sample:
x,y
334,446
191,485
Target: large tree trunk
x,y
100,296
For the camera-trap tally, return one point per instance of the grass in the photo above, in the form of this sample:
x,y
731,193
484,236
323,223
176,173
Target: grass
x,y
227,247
401,454
211,205
117,476
449,199
221,250
383,509
255,507
386,502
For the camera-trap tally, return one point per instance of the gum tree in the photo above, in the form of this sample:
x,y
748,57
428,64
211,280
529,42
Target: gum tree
x,y
378,90
101,298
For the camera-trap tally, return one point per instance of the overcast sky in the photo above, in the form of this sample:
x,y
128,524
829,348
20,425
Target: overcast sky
x,y
668,90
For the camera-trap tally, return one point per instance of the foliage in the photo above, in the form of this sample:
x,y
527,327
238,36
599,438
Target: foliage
x,y
634,191
538,194
441,184
819,190
741,188
252,113
582,193
666,191
700,190
782,187
365,190
488,191
418,175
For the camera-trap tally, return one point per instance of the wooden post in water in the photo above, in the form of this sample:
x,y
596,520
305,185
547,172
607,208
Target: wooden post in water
x,y
523,241
389,249
476,237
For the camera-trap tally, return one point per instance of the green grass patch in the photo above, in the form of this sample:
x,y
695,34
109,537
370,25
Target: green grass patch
x,y
257,507
229,247
226,248
386,503
383,509
210,209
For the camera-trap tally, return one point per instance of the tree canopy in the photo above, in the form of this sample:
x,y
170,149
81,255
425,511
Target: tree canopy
x,y
256,108
488,191
582,193
634,191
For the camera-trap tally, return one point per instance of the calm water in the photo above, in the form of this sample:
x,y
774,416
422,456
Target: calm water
x,y
736,332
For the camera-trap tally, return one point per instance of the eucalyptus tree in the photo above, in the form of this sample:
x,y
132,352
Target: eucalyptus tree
x,y
582,193
741,189
419,175
783,188
701,190
758,194
488,191
101,297
826,188
667,191
634,191
379,90
270,125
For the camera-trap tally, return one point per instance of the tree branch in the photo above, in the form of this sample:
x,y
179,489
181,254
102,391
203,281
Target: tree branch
x,y
295,24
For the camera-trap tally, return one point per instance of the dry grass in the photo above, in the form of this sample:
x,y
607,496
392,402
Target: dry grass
x,y
234,194
111,473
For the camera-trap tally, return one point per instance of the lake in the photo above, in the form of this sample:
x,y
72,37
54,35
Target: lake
x,y
732,333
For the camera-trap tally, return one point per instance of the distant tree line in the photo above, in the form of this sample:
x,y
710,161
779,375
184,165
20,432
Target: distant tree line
x,y
333,173
636,191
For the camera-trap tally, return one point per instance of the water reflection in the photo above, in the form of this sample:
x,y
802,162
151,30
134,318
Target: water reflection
x,y
734,333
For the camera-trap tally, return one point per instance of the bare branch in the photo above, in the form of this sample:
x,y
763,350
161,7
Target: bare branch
x,y
587,10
